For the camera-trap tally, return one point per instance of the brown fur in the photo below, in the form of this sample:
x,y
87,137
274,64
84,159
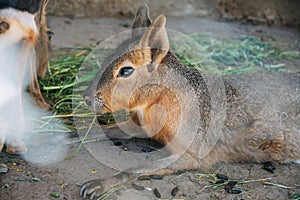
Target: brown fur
x,y
43,43
42,46
250,127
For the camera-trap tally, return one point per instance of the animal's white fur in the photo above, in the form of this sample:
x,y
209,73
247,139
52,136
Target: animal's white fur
x,y
16,60
14,35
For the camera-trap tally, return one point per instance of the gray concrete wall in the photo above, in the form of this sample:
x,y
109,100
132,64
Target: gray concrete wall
x,y
127,8
284,12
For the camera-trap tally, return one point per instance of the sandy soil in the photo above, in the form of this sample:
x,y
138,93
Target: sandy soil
x,y
65,176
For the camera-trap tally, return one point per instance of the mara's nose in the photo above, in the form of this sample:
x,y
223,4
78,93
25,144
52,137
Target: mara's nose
x,y
95,104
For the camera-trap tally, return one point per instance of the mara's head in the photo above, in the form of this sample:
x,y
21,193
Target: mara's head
x,y
17,27
126,78
23,23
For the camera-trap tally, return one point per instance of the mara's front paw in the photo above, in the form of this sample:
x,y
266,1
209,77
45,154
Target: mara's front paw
x,y
93,188
96,188
15,147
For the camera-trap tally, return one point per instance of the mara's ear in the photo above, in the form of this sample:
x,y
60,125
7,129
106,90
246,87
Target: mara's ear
x,y
141,20
40,15
156,39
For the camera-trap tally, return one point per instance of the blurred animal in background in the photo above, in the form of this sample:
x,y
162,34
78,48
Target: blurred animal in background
x,y
24,52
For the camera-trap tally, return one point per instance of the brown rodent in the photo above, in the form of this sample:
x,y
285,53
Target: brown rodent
x,y
201,117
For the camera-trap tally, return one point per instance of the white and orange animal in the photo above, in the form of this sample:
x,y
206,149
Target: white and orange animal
x,y
24,53
238,118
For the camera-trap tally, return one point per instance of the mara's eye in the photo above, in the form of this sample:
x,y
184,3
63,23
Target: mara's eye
x,y
49,34
125,72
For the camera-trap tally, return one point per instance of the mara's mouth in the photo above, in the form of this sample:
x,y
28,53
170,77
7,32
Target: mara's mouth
x,y
116,117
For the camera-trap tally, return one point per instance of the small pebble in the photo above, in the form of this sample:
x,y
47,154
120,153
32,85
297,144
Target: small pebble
x,y
174,191
230,185
234,191
156,177
137,187
156,193
3,169
118,143
221,176
144,178
220,181
268,166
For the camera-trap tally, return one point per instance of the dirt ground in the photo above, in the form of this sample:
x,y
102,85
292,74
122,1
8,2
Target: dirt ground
x,y
63,178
